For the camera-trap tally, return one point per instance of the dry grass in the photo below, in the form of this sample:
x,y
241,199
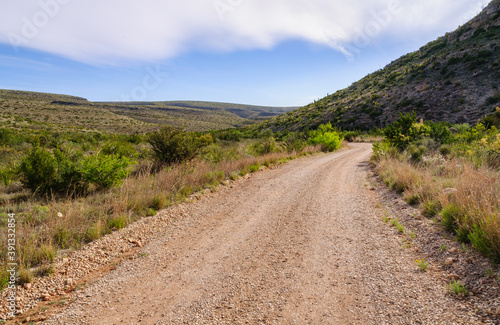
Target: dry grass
x,y
469,197
368,138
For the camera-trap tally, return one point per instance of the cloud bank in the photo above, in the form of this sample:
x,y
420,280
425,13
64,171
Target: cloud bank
x,y
115,31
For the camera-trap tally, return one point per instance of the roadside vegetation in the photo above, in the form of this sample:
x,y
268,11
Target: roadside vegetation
x,y
70,188
451,171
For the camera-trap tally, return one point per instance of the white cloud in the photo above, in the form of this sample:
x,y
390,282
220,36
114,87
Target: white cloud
x,y
113,31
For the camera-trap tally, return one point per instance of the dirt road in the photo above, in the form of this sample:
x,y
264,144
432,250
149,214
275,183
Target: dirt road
x,y
300,244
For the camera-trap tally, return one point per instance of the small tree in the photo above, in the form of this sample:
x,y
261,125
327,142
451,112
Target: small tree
x,y
327,137
38,170
171,145
405,130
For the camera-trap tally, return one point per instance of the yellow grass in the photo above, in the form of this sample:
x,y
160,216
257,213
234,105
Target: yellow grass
x,y
473,192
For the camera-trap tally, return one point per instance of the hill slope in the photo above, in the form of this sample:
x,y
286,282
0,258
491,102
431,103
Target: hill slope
x,y
455,79
23,109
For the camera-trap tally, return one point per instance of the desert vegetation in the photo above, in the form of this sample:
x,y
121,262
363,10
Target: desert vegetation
x,y
69,188
55,113
451,171
453,78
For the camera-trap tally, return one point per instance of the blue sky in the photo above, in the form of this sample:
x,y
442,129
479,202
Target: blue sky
x,y
263,52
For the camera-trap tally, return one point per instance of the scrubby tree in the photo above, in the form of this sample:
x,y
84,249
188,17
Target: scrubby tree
x,y
171,145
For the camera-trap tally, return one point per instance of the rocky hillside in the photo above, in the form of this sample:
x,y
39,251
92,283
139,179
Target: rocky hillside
x,y
454,78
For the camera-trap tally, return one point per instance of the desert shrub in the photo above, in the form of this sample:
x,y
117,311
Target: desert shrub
x,y
230,135
329,139
38,170
383,149
7,175
69,175
105,171
416,152
134,138
467,167
350,135
405,130
264,146
171,145
6,137
119,148
440,132
295,142
50,173
445,150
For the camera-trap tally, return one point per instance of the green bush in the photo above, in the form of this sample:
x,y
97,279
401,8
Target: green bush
x,y
295,142
38,170
327,137
171,145
230,135
263,147
47,173
440,132
105,171
405,130
416,152
7,175
118,148
69,175
50,173
445,150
